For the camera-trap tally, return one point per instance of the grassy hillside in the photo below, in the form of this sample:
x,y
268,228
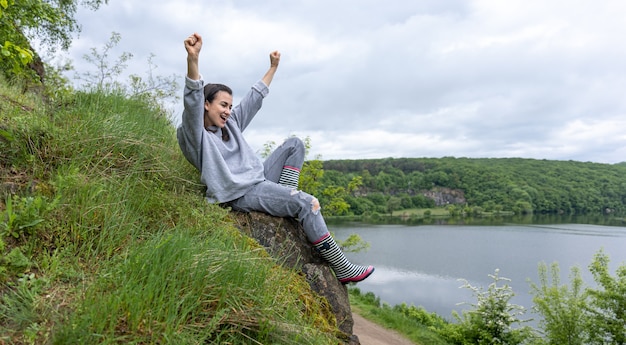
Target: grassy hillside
x,y
105,238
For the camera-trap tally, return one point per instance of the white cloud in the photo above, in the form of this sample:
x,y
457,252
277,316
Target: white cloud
x,y
481,78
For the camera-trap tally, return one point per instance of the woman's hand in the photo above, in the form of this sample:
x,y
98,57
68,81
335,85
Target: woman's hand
x,y
274,58
193,44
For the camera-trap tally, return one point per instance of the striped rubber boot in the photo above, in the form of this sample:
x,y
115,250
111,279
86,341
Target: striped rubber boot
x,y
289,177
345,271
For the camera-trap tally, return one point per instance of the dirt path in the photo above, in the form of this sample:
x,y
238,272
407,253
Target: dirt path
x,y
370,333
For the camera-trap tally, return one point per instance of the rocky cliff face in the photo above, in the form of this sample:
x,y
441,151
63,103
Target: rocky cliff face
x,y
284,240
446,196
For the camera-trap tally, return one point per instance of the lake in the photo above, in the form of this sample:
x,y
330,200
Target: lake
x,y
422,265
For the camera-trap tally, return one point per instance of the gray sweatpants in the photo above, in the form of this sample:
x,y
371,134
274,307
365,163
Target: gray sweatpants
x,y
281,201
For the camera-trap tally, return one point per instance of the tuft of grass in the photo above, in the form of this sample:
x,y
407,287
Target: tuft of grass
x,y
416,324
185,289
124,249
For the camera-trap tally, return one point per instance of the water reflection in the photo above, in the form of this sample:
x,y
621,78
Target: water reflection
x,y
397,287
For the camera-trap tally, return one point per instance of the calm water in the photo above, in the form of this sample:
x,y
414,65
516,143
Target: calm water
x,y
422,265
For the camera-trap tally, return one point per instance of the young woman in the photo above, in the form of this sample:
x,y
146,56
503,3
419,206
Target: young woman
x,y
210,137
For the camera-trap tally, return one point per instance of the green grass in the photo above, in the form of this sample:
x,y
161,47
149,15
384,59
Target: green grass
x,y
422,212
105,238
414,323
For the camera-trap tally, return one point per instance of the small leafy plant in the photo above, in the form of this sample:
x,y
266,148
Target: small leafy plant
x,y
24,214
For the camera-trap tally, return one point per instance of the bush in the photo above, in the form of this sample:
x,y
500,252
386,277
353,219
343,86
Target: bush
x,y
607,303
562,307
492,318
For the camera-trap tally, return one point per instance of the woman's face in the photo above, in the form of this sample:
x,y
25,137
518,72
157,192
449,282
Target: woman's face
x,y
218,111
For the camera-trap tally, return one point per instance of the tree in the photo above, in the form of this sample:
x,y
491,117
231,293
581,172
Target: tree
x,y
563,308
453,210
607,303
393,203
311,175
359,206
51,22
420,201
377,198
355,183
383,181
333,199
523,207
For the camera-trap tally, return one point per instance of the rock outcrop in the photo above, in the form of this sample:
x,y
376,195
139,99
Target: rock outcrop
x,y
284,239
446,196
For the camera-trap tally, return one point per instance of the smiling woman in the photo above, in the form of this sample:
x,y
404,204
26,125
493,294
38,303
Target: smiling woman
x,y
211,139
217,105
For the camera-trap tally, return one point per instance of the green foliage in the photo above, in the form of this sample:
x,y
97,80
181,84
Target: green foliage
x,y
571,314
563,308
23,215
607,302
13,264
332,196
310,176
354,244
15,57
492,317
217,300
523,207
355,184
333,199
393,203
453,210
422,316
574,315
268,147
312,170
130,248
106,75
414,323
524,186
57,87
20,311
152,89
51,22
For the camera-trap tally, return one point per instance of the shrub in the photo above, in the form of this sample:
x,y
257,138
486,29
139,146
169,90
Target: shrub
x,y
607,303
562,307
491,319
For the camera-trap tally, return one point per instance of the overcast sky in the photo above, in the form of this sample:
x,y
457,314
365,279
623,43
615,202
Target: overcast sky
x,y
397,78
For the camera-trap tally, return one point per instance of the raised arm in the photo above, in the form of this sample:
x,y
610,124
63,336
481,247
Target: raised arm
x,y
250,104
274,61
193,45
191,129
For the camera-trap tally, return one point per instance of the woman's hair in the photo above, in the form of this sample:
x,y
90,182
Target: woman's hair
x,y
210,90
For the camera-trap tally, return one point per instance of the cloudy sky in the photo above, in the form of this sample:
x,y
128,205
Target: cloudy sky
x,y
397,78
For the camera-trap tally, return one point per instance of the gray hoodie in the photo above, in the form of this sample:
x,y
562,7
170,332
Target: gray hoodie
x,y
228,168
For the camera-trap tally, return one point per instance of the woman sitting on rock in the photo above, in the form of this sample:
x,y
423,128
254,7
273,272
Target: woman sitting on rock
x,y
210,137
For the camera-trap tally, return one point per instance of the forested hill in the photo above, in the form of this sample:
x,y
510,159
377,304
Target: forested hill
x,y
490,184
